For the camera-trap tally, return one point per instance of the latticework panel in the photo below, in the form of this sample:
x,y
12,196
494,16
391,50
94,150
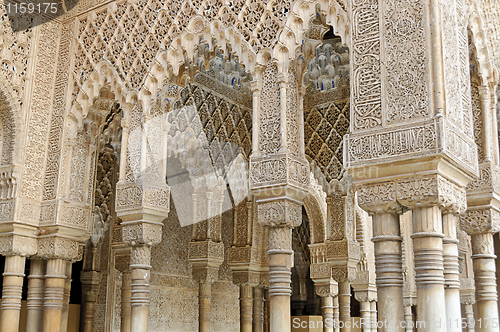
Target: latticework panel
x,y
226,125
324,130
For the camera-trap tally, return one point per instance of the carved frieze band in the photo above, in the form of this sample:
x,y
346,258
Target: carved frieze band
x,y
412,140
424,191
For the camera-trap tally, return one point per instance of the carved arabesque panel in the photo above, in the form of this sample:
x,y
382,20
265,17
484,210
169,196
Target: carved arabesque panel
x,y
269,122
405,61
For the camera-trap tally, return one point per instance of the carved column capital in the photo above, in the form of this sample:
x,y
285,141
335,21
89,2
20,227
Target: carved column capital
x,y
142,201
480,221
52,247
344,274
139,233
17,245
378,197
468,299
279,213
205,258
140,257
326,288
430,190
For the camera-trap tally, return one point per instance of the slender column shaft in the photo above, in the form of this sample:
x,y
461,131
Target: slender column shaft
x,y
451,273
258,309
139,300
373,309
11,294
389,269
266,310
204,307
336,314
256,115
483,258
246,308
365,316
345,306
469,316
327,312
36,283
428,250
408,319
126,309
280,278
67,290
90,280
486,108
55,278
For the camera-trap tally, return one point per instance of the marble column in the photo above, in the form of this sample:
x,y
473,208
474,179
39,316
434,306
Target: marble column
x,y
246,308
280,261
451,273
483,259
408,319
469,317
36,289
205,298
140,267
428,251
55,279
90,282
258,310
13,276
345,306
389,269
373,309
125,305
336,314
327,313
266,310
365,316
67,291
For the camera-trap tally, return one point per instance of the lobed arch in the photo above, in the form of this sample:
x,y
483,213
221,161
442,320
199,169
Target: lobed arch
x,y
169,59
487,71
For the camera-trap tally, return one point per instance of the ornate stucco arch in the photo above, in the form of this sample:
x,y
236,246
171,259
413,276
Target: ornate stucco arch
x,y
315,205
486,66
10,115
183,41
